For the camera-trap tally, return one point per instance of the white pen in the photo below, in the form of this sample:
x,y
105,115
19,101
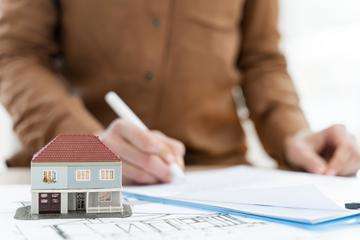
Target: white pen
x,y
123,111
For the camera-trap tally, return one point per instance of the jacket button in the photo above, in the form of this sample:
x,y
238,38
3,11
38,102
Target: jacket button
x,y
156,22
149,76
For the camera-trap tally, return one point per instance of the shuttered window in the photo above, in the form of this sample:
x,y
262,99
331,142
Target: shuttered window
x,y
82,175
107,174
49,176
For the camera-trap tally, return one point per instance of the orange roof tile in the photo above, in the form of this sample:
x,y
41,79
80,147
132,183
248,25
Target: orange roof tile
x,y
75,148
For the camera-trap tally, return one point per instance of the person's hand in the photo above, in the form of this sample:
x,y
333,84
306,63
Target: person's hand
x,y
332,151
146,155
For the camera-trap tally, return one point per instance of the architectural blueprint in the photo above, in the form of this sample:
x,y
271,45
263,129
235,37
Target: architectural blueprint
x,y
149,221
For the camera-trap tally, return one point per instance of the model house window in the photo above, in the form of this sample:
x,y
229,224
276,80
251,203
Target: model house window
x,y
107,174
104,197
82,175
49,176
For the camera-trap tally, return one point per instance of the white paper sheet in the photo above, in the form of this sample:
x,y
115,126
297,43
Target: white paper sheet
x,y
303,196
292,196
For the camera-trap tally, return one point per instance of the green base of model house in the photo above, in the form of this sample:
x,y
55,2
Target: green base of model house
x,y
24,213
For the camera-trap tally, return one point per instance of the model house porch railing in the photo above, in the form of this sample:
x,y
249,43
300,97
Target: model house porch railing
x,y
98,207
104,209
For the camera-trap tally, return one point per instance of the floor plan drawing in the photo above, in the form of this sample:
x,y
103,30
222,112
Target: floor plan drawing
x,y
149,221
145,225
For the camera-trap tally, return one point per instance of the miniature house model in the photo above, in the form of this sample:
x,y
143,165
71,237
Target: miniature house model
x,y
75,173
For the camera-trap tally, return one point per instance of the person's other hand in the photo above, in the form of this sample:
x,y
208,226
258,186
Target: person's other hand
x,y
147,155
332,151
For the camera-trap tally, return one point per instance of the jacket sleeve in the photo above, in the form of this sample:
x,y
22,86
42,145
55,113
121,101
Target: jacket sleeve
x,y
269,92
32,92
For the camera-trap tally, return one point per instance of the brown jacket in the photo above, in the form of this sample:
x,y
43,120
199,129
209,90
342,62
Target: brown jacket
x,y
173,61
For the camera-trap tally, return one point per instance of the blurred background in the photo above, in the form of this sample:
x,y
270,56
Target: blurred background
x,y
321,39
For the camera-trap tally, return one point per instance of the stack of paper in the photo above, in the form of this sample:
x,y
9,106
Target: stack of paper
x,y
304,203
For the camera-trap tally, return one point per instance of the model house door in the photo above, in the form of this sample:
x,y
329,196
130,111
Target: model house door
x,y
80,201
49,202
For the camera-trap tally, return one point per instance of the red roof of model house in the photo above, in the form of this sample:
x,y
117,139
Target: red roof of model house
x,y
75,148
